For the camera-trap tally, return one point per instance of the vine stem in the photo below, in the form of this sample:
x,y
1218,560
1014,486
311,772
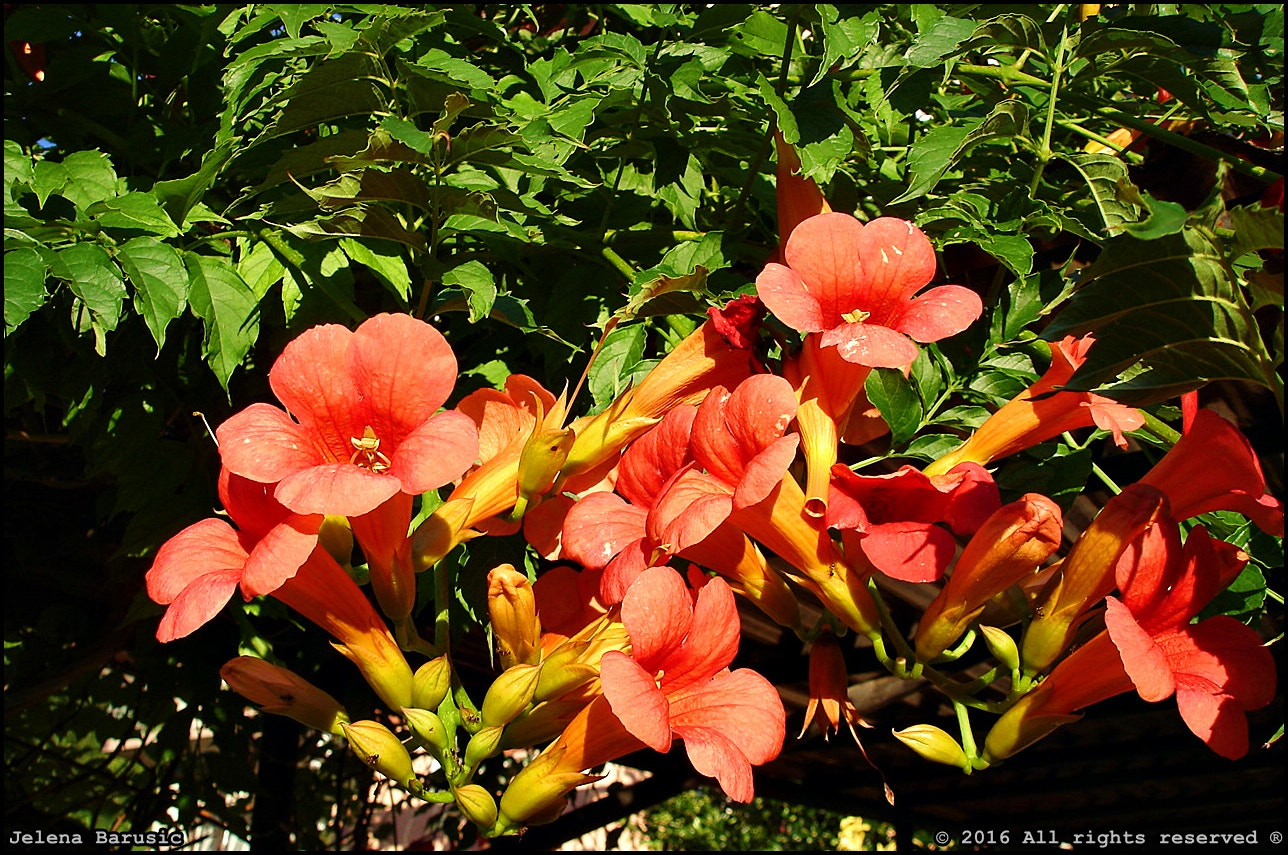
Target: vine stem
x,y
1044,153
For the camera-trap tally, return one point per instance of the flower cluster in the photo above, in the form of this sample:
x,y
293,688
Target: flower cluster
x,y
723,463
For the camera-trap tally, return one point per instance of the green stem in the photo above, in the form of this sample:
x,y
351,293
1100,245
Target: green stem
x,y
1044,153
1109,482
620,264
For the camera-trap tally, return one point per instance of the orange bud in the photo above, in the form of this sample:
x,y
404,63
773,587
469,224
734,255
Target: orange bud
x,y
512,607
280,691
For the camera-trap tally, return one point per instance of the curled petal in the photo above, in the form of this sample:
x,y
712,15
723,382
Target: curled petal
x,y
911,551
209,547
1146,663
1216,719
711,643
766,471
280,554
689,511
653,458
197,604
636,700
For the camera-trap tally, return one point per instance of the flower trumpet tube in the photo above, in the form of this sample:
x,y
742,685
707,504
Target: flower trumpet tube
x,y
718,353
1088,675
1087,573
798,198
326,595
827,388
1011,545
1044,412
281,691
543,456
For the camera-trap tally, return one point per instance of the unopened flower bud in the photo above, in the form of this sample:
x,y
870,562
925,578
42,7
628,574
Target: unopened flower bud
x,y
477,804
934,744
483,745
431,683
561,672
512,608
281,691
428,728
510,694
1002,646
543,456
377,746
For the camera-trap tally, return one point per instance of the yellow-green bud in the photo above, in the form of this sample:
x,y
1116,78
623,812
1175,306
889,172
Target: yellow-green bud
x,y
934,744
482,745
510,695
477,804
1002,646
562,672
431,683
428,728
377,746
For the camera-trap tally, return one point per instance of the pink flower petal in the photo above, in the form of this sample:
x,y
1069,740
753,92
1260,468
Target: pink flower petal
x,y
766,471
599,526
657,612
404,370
784,294
939,313
209,547
691,508
911,551
897,261
1145,662
636,700
871,345
436,452
1216,719
312,379
824,251
263,444
652,459
336,488
280,554
197,604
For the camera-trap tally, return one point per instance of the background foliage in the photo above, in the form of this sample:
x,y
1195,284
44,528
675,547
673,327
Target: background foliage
x,y
187,187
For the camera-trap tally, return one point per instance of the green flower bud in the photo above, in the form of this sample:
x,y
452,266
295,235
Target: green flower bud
x,y
934,744
430,683
482,745
1002,646
377,746
477,804
510,694
428,728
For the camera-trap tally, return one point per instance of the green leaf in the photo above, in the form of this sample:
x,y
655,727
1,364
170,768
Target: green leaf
x,y
1161,218
844,39
1170,308
786,122
17,164
90,178
941,39
1256,228
664,289
897,401
24,286
610,374
179,196
1005,31
761,34
479,286
93,277
160,282
384,261
228,307
133,212
939,149
1105,175
349,85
